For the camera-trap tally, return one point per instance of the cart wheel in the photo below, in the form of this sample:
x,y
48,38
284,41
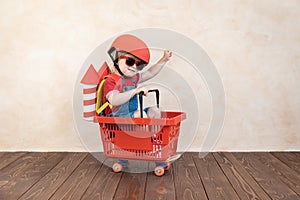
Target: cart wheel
x,y
117,167
168,166
159,171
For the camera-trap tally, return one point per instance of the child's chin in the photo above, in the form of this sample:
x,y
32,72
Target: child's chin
x,y
130,74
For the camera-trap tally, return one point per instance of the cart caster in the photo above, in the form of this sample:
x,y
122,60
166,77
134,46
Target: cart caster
x,y
117,167
165,165
159,171
168,166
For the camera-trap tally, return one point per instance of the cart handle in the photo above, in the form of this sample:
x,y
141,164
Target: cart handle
x,y
141,94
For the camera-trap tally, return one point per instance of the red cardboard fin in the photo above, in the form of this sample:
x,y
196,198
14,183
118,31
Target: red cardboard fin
x,y
103,71
91,77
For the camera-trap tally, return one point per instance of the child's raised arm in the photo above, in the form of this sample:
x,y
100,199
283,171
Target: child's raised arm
x,y
155,69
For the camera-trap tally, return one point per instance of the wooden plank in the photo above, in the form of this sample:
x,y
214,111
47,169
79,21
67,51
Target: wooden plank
x,y
75,186
244,184
291,159
17,168
47,185
215,182
187,181
104,184
160,187
22,178
268,180
286,174
131,186
2,153
9,157
296,153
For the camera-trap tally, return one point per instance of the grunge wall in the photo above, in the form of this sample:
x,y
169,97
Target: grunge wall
x,y
253,44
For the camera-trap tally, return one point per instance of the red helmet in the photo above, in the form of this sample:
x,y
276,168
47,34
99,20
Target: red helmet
x,y
129,44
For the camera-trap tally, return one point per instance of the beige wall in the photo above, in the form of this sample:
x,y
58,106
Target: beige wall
x,y
253,44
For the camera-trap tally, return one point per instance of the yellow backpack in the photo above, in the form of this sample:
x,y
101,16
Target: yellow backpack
x,y
100,104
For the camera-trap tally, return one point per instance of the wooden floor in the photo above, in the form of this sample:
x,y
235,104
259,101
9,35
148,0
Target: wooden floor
x,y
217,176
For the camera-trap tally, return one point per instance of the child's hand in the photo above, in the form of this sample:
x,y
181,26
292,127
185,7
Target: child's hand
x,y
167,55
142,89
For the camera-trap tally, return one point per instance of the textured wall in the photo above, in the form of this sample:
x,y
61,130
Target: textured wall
x,y
254,45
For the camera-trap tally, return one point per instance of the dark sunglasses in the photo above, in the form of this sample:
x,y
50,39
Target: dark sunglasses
x,y
131,61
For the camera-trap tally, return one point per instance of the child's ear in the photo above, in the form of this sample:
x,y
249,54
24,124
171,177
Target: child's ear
x,y
112,52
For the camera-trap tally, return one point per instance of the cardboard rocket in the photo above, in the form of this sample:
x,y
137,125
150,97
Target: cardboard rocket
x,y
90,83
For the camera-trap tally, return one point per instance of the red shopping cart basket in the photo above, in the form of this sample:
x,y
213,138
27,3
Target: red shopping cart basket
x,y
152,139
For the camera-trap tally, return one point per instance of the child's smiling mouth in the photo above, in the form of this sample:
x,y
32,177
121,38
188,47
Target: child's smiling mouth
x,y
131,69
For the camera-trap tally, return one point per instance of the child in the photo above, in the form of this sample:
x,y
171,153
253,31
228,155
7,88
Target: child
x,y
130,55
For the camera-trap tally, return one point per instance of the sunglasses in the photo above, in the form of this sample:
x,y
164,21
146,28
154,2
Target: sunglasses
x,y
131,61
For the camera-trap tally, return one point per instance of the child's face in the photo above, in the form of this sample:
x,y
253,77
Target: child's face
x,y
129,65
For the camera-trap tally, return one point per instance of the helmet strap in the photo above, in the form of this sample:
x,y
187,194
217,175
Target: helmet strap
x,y
118,68
116,59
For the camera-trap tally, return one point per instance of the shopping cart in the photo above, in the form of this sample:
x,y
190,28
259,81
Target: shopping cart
x,y
152,139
